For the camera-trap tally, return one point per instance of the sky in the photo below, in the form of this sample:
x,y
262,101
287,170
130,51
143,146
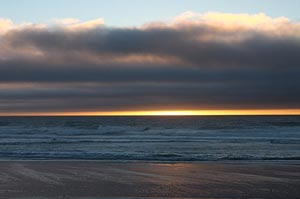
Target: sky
x,y
137,12
149,57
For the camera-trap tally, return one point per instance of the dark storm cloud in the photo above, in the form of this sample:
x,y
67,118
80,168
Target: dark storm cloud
x,y
183,65
189,45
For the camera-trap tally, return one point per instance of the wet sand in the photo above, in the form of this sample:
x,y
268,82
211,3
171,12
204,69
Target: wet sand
x,y
75,179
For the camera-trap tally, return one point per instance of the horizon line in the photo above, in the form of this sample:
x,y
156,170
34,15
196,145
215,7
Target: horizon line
x,y
227,112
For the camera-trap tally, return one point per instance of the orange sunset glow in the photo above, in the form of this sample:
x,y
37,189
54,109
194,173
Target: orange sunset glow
x,y
171,113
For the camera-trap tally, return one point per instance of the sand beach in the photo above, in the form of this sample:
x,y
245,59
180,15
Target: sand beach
x,y
94,179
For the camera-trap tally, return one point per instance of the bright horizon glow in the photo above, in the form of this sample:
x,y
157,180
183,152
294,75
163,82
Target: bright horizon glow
x,y
169,113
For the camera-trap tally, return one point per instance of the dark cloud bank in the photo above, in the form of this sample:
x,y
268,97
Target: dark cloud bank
x,y
184,66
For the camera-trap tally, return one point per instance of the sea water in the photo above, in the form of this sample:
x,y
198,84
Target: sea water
x,y
195,138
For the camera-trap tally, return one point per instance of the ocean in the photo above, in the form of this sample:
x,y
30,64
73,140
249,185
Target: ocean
x,y
174,139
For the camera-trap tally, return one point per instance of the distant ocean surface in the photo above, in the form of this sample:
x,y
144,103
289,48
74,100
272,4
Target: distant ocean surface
x,y
194,138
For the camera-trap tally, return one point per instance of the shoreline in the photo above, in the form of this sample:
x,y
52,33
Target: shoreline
x,y
96,179
225,162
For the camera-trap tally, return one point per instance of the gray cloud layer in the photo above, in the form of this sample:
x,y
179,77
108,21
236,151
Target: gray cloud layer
x,y
183,65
